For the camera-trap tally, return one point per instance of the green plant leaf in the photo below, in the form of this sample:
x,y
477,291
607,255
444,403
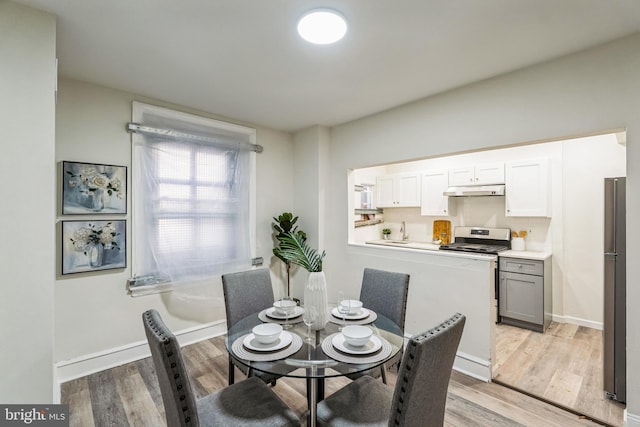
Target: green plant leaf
x,y
294,248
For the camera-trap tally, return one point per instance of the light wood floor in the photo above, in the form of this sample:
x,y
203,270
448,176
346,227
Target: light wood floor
x,y
563,365
128,395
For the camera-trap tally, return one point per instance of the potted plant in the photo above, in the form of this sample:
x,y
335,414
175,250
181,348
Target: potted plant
x,y
386,233
284,225
295,249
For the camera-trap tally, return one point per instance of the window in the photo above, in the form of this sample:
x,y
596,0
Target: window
x,y
192,197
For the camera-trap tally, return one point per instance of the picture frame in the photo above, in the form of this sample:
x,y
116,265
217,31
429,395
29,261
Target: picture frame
x,y
93,188
93,245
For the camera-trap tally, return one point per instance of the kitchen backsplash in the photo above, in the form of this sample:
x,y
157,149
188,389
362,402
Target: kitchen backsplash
x,y
476,211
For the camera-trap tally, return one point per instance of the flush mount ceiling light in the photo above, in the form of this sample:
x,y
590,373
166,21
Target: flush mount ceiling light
x,y
322,26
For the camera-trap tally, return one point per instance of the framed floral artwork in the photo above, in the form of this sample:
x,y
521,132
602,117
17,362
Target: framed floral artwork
x,y
89,188
93,245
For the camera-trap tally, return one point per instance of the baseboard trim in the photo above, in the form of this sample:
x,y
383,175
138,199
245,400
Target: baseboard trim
x,y
577,321
631,420
91,363
472,366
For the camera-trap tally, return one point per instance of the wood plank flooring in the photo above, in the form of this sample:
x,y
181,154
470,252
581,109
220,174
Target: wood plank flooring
x,y
562,365
128,395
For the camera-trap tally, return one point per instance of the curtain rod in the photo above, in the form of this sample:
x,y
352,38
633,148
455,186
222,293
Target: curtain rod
x,y
135,128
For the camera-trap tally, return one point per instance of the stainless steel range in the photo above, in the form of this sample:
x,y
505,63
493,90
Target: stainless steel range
x,y
479,240
482,240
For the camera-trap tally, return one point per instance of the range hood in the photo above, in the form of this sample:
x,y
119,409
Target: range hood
x,y
475,190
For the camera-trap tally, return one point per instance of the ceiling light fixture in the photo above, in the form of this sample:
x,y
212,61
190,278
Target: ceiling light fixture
x,y
322,26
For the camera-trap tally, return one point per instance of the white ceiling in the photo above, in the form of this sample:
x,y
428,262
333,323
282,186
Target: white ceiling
x,y
243,59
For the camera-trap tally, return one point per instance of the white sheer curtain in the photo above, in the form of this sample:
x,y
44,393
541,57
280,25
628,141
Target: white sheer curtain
x,y
192,201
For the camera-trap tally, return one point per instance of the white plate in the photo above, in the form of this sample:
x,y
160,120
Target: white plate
x,y
271,312
363,314
252,343
372,346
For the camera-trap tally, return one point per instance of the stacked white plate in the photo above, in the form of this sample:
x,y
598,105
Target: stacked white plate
x,y
340,344
251,343
271,312
362,314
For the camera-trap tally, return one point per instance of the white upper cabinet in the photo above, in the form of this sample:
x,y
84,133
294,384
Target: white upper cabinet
x,y
461,176
434,183
528,188
398,190
385,191
490,173
485,174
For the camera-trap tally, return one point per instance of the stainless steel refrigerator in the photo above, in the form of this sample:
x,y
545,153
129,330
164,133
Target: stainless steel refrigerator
x,y
615,370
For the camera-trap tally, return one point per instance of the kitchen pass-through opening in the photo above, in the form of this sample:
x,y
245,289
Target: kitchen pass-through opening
x,y
571,233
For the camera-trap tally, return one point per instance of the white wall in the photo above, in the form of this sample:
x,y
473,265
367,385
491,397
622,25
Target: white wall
x,y
311,151
27,170
93,312
585,93
587,162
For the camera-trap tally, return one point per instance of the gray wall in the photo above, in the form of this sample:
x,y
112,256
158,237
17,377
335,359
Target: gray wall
x,y
27,170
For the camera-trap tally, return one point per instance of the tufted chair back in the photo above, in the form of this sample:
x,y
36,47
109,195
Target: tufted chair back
x,y
420,394
179,401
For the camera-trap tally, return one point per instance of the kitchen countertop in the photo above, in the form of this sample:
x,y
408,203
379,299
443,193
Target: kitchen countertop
x,y
408,244
526,254
405,244
423,247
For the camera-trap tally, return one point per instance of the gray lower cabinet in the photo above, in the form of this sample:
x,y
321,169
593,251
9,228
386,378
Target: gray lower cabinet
x,y
525,292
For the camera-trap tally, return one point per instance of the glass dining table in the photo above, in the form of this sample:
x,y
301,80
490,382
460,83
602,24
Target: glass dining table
x,y
324,356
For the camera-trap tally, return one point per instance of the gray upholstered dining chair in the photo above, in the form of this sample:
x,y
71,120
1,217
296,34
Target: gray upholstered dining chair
x,y
246,292
420,394
385,292
248,403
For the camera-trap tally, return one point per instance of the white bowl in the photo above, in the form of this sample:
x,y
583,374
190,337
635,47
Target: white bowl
x,y
267,333
353,305
279,304
357,335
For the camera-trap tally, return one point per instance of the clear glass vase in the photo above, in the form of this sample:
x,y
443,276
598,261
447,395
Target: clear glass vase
x,y
96,255
96,200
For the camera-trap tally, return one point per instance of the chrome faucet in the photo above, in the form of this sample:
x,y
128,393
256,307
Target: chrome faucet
x,y
403,230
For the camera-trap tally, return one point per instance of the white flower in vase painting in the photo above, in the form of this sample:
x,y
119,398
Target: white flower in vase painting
x,y
93,188
86,237
93,245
